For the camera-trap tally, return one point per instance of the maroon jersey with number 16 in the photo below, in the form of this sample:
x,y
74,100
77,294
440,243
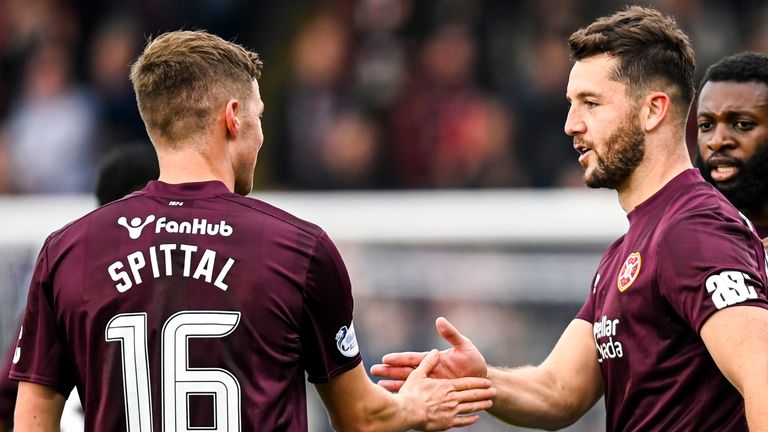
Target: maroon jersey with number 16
x,y
188,307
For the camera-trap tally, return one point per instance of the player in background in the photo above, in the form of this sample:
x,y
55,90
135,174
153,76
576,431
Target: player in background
x,y
190,306
674,331
126,169
732,120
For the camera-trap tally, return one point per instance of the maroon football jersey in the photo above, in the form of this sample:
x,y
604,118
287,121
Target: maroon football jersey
x,y
188,307
8,387
688,253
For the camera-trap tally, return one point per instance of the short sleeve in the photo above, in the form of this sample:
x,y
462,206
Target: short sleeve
x,y
41,354
707,262
587,311
327,331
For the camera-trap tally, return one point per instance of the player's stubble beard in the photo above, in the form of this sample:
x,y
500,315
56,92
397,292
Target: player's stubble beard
x,y
748,191
623,151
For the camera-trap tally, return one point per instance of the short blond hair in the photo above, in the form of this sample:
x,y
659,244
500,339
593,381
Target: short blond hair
x,y
183,77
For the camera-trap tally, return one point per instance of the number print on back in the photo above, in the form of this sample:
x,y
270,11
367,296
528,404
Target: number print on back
x,y
729,288
178,379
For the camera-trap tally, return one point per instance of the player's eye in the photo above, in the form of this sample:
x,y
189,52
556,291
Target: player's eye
x,y
744,125
705,126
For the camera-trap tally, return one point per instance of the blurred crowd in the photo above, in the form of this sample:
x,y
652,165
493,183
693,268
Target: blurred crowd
x,y
360,94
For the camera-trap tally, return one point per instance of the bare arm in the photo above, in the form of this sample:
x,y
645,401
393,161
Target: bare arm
x,y
38,408
737,339
354,403
556,393
551,395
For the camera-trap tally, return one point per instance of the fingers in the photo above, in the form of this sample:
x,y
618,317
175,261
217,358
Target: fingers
x,y
391,385
427,364
391,372
411,359
473,407
476,396
451,334
470,383
465,421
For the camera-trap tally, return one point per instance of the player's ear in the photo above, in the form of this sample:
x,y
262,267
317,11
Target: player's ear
x,y
231,113
654,109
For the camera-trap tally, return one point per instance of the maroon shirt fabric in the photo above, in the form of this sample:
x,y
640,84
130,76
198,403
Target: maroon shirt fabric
x,y
688,253
188,306
8,387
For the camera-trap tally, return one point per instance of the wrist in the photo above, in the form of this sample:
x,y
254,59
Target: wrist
x,y
413,411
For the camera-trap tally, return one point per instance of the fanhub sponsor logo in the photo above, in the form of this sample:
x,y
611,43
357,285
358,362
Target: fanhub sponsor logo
x,y
606,339
197,226
135,226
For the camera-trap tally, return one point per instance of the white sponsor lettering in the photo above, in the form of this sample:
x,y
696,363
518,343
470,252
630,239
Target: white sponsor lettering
x,y
604,332
730,287
196,226
201,265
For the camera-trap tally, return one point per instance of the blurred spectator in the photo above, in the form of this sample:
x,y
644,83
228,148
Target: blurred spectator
x,y
380,54
441,124
24,24
51,127
350,152
116,45
541,104
412,79
315,98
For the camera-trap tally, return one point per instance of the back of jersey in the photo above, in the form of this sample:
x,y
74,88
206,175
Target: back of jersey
x,y
187,307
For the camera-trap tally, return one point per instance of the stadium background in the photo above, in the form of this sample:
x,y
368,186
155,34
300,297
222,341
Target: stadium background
x,y
424,135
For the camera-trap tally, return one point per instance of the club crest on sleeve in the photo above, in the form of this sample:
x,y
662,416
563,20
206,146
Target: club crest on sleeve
x,y
629,271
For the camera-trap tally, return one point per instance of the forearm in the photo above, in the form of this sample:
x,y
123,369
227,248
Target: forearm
x,y
379,410
756,407
532,397
354,403
757,414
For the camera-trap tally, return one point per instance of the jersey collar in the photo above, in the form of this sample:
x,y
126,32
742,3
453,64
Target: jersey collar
x,y
187,190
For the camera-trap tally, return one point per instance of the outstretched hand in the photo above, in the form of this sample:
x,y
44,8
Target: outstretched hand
x,y
449,402
461,360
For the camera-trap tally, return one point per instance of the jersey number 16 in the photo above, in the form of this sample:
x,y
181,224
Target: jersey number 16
x,y
178,379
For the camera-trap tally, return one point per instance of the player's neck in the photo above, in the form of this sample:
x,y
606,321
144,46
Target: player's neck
x,y
655,171
189,165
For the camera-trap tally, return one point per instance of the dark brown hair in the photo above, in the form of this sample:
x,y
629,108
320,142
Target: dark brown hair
x,y
651,50
183,77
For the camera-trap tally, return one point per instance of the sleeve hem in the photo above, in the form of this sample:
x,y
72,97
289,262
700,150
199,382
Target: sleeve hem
x,y
37,379
753,303
336,372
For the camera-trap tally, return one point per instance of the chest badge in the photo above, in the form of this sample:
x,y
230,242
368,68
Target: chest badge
x,y
629,271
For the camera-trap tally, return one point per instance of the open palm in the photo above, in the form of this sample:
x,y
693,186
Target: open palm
x,y
461,360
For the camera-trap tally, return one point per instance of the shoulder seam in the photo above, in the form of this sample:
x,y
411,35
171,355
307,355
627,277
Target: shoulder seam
x,y
315,235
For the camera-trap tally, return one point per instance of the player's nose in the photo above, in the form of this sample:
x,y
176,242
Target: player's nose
x,y
574,124
720,138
